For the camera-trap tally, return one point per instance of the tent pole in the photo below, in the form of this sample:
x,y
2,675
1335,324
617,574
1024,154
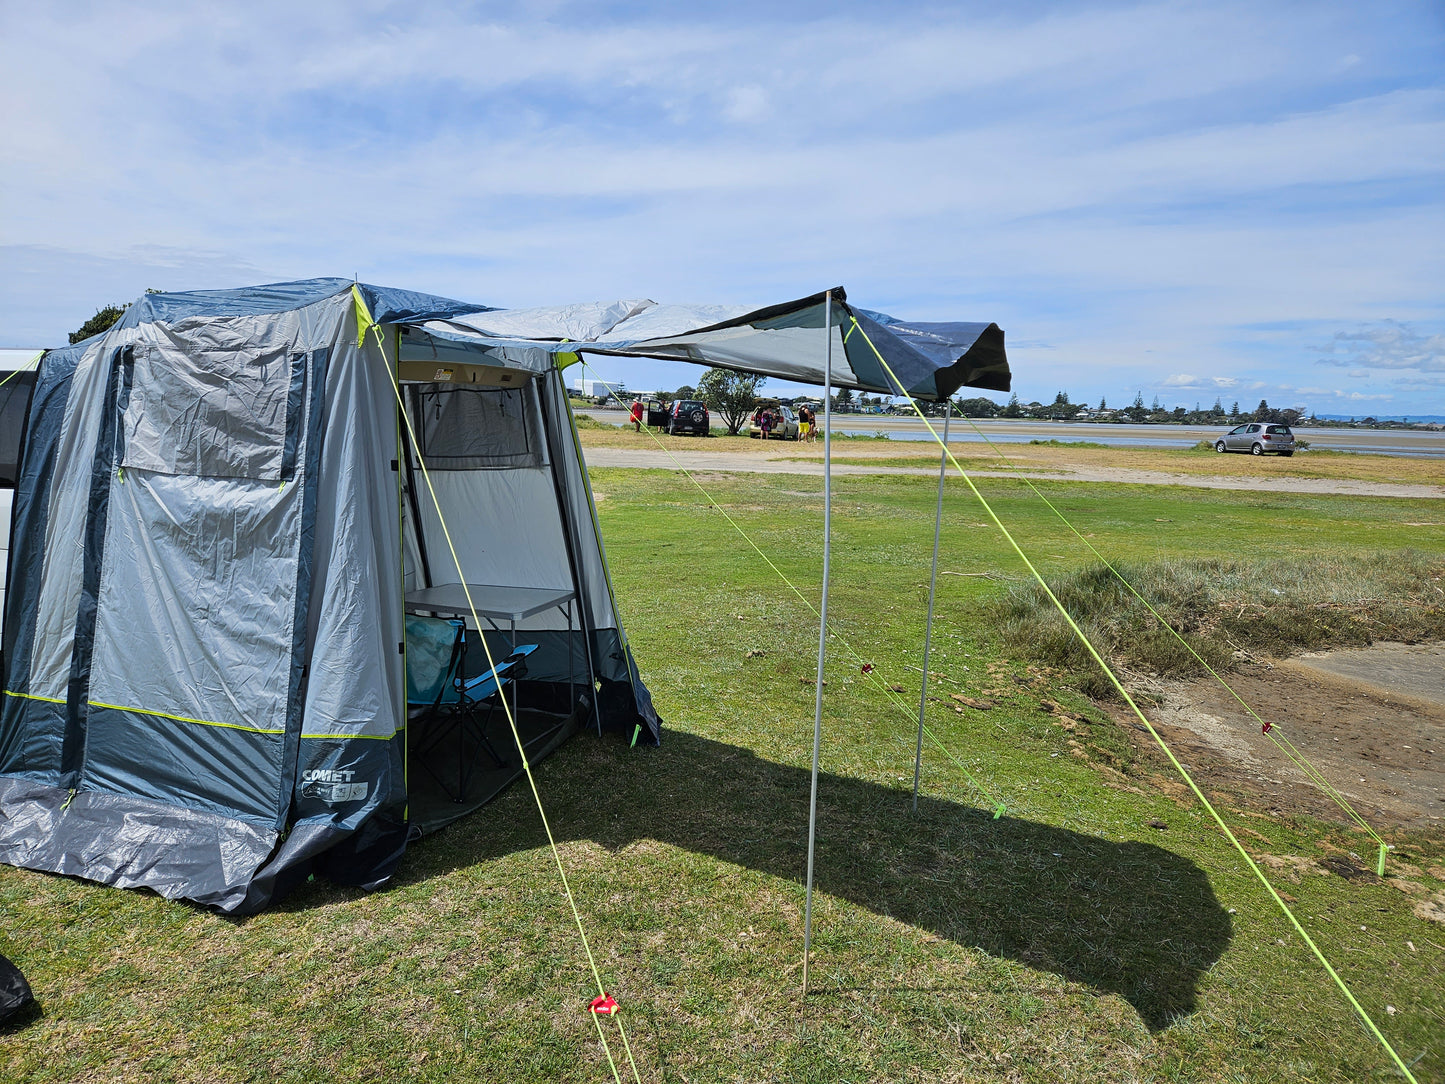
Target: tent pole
x,y
822,620
932,586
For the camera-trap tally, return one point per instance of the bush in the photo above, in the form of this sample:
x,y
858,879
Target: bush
x,y
1224,608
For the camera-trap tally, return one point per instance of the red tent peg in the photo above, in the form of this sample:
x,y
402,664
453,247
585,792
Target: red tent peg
x,y
868,668
1266,728
604,1005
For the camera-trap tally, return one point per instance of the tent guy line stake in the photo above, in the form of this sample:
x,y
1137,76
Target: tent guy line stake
x,y
394,379
822,622
932,588
1158,738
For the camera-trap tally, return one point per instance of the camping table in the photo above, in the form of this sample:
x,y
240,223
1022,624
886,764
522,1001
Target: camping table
x,y
497,603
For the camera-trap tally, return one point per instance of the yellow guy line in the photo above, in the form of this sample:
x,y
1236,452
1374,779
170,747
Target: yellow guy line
x,y
507,708
1109,673
31,364
1288,748
871,674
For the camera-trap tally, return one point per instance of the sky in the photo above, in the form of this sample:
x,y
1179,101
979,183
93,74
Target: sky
x,y
1182,200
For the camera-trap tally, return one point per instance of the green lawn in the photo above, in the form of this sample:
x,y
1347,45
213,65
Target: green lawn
x,y
1067,940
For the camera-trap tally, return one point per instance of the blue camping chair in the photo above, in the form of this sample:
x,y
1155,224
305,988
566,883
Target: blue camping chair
x,y
453,703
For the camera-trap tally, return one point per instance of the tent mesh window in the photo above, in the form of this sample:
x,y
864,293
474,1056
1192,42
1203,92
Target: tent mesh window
x,y
461,428
14,402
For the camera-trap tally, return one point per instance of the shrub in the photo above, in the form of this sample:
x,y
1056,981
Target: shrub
x,y
1224,608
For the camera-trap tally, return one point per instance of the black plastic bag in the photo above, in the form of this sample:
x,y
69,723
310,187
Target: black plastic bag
x,y
15,992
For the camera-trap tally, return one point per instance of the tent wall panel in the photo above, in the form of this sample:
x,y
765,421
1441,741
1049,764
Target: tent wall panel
x,y
224,771
32,735
357,677
32,731
62,561
504,523
201,572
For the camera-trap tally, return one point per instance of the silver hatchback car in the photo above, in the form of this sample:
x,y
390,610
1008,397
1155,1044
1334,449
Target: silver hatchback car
x,y
1257,438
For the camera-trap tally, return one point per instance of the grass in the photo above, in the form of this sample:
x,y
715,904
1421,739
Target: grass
x,y
1225,608
587,421
1069,940
1052,443
1068,456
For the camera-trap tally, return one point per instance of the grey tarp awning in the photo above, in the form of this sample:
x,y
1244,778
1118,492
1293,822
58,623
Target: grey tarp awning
x,y
930,360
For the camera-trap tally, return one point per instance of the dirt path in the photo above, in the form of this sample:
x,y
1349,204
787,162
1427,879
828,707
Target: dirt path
x,y
758,463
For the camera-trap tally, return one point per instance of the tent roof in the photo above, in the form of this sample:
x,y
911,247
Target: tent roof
x,y
930,360
387,306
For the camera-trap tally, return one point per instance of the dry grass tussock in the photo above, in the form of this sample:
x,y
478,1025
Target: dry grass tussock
x,y
1227,609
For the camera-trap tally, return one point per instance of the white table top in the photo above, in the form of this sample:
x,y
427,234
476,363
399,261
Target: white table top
x,y
490,600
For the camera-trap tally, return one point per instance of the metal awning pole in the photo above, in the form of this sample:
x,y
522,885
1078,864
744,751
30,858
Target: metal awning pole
x,y
932,587
822,621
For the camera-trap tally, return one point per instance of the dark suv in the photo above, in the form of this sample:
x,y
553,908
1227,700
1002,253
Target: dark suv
x,y
689,416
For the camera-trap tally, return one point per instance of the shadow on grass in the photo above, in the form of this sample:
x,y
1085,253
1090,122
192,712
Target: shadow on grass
x,y
1127,918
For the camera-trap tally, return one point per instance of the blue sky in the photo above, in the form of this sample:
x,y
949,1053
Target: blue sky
x,y
1188,200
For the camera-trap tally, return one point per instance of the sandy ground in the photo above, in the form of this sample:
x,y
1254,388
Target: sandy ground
x,y
1371,720
763,461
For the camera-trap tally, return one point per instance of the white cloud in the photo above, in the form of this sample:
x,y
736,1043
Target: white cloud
x,y
1390,344
1137,187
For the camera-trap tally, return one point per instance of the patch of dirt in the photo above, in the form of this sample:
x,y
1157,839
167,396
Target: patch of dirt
x,y
1383,750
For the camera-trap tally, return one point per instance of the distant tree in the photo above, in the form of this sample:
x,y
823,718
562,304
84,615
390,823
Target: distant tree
x,y
687,391
844,400
978,407
1180,413
1218,409
732,395
1013,409
1155,408
1136,410
101,321
1103,403
1262,413
1234,410
1061,409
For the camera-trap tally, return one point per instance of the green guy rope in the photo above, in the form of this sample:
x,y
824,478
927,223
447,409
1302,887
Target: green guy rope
x,y
1109,673
395,382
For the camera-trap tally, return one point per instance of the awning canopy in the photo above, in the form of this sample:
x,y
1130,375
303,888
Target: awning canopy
x,y
930,360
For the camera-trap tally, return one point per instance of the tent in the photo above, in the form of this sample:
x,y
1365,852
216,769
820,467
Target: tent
x,y
241,523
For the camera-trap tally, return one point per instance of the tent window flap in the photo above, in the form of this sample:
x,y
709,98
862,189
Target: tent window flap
x,y
463,428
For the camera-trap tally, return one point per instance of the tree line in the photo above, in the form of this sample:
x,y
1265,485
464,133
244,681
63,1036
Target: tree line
x,y
1064,409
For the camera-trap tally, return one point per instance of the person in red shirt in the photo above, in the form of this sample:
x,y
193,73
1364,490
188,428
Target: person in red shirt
x,y
637,415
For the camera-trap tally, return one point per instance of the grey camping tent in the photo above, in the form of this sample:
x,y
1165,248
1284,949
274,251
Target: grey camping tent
x,y
237,649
